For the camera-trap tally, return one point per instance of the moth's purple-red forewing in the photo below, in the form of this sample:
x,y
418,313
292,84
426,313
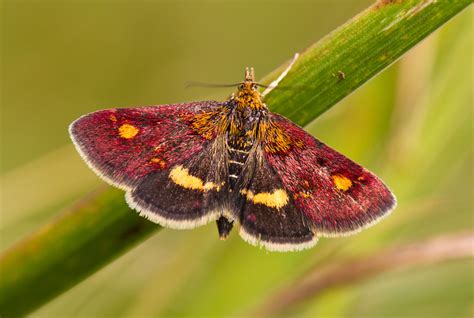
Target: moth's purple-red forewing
x,y
185,165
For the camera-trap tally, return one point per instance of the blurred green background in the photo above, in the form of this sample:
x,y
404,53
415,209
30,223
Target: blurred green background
x,y
411,125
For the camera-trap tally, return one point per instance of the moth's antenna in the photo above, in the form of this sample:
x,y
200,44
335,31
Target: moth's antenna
x,y
203,84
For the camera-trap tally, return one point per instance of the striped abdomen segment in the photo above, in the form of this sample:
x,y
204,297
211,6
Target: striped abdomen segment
x,y
237,158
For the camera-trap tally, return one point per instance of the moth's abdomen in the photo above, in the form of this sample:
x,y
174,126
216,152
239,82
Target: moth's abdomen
x,y
237,158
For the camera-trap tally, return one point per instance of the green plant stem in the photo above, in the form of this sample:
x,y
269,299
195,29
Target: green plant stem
x,y
101,227
88,235
348,57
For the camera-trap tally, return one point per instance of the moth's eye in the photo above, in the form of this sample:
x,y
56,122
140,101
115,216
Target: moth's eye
x,y
241,86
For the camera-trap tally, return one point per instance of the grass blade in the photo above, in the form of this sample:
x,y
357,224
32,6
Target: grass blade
x,y
354,53
88,235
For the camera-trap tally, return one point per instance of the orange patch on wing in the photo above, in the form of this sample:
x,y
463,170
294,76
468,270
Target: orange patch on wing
x,y
277,140
159,161
302,194
113,117
207,124
128,131
341,182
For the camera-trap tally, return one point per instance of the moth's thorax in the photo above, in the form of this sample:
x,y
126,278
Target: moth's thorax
x,y
245,124
248,112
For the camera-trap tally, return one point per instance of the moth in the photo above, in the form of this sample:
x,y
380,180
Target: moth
x,y
232,162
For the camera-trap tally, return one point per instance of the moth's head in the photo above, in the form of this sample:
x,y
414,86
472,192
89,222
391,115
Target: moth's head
x,y
247,91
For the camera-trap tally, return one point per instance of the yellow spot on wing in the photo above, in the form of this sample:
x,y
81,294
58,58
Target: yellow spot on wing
x,y
277,199
181,177
341,182
128,131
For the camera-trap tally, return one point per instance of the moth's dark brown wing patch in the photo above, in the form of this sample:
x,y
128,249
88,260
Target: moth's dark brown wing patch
x,y
188,194
268,215
337,196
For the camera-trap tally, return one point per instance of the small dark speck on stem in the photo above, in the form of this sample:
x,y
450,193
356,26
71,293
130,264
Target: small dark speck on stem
x,y
340,75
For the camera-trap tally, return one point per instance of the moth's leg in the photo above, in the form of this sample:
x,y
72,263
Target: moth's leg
x,y
282,76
